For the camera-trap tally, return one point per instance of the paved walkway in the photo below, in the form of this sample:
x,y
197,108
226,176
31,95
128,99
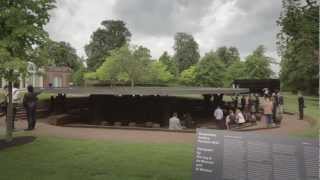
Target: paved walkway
x,y
290,124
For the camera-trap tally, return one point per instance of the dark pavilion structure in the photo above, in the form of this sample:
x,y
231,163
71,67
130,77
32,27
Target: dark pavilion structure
x,y
138,105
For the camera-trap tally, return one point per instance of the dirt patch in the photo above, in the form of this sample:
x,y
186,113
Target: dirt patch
x,y
290,124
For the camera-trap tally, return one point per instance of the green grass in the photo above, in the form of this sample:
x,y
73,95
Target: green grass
x,y
54,158
312,111
45,96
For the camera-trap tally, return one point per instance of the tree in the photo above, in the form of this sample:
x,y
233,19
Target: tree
x,y
298,45
228,55
188,76
233,72
112,35
110,70
126,64
158,73
257,65
78,76
186,51
90,76
210,71
62,54
21,29
170,63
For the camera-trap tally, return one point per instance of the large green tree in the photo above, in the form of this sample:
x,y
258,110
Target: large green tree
x,y
21,29
298,44
158,73
112,35
210,71
228,55
62,54
236,70
125,64
167,60
186,51
188,76
257,64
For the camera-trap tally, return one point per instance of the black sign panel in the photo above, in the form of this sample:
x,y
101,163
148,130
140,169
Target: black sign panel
x,y
224,155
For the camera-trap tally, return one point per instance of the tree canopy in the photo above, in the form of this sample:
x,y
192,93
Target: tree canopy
x,y
21,29
210,71
158,73
298,45
168,61
60,54
257,65
186,51
228,55
112,35
125,64
236,70
188,76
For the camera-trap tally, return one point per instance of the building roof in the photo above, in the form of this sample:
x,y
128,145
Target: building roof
x,y
162,91
63,69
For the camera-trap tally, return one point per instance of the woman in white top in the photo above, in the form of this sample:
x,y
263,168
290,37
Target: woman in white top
x,y
174,122
239,117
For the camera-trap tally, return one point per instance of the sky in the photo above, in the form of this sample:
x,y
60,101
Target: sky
x,y
244,24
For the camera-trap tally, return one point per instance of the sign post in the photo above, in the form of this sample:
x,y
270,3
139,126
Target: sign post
x,y
228,155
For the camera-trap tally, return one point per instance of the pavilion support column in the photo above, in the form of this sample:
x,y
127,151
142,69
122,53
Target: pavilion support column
x,y
93,117
207,102
166,113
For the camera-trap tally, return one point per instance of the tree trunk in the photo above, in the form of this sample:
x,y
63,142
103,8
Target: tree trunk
x,y
132,83
9,116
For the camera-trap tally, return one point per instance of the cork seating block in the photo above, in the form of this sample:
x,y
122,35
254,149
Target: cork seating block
x,y
148,124
117,123
132,124
155,125
105,123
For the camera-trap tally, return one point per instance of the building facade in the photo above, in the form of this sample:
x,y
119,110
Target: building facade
x,y
44,77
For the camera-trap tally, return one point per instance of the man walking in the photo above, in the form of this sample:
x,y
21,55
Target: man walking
x,y
30,104
301,106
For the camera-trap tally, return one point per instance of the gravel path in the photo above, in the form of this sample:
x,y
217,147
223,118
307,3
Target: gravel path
x,y
290,124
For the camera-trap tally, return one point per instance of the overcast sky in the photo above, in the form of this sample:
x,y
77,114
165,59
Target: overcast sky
x,y
153,23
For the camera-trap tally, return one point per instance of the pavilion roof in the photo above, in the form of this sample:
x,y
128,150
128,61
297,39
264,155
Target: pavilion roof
x,y
162,91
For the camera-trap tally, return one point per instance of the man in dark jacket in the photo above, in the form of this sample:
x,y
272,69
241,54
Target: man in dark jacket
x,y
301,106
30,104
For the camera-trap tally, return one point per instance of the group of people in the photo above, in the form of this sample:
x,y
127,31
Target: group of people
x,y
249,110
29,102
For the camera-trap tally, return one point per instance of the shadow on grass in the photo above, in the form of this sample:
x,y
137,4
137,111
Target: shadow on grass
x,y
17,141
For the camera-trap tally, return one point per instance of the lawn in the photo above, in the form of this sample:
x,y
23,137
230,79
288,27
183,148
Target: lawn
x,y
312,112
54,158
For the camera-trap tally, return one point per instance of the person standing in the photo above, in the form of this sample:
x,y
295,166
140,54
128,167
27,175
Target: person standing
x,y
30,104
243,103
301,106
15,101
267,110
257,103
231,118
218,114
281,102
